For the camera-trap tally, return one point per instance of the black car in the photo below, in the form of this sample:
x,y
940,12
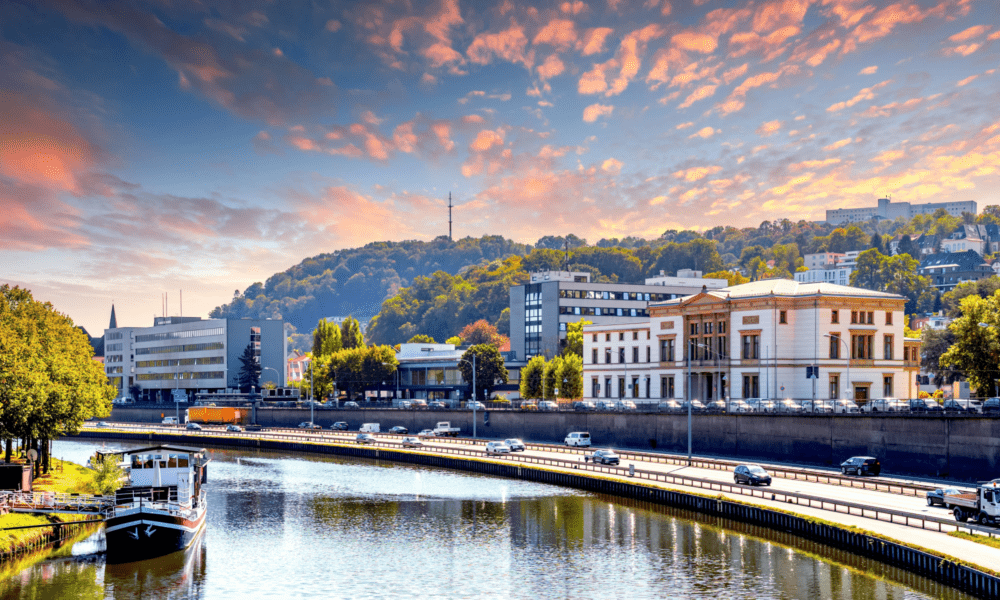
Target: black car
x,y
751,475
605,457
937,496
399,429
991,406
861,465
584,405
340,426
308,425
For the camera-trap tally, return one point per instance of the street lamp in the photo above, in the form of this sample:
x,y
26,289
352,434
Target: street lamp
x,y
474,401
850,391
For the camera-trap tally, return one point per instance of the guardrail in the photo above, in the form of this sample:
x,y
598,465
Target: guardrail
x,y
880,514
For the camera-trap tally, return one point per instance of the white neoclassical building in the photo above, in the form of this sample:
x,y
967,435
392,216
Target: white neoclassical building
x,y
758,340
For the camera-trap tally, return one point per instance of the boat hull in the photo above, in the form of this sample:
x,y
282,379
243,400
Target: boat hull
x,y
148,534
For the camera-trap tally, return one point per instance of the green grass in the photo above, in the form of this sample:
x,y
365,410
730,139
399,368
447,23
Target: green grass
x,y
979,539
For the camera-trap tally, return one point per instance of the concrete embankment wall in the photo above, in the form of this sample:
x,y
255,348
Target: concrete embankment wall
x,y
934,567
966,448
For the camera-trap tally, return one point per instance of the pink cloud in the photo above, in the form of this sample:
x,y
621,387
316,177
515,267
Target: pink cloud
x,y
769,128
592,41
970,33
552,67
594,111
560,33
868,70
508,45
705,91
867,93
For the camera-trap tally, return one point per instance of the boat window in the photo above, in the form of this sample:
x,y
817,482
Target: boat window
x,y
182,460
136,462
147,461
172,462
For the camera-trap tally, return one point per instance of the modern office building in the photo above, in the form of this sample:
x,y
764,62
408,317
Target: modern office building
x,y
541,310
192,354
886,209
756,341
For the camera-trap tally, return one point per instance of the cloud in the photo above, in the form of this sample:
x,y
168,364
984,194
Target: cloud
x,y
868,70
696,173
694,41
573,8
552,67
837,144
970,33
592,41
560,33
508,45
967,80
627,62
705,91
594,111
612,166
704,133
769,128
685,125
867,93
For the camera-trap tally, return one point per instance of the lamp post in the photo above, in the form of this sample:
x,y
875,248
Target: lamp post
x,y
474,401
850,390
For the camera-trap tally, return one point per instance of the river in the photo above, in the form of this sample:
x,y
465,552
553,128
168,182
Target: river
x,y
296,526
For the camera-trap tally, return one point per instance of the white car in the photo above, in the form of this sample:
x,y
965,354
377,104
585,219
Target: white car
x,y
497,448
412,442
578,438
426,433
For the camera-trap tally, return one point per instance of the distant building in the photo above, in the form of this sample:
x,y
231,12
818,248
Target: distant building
x,y
191,354
886,209
298,366
828,267
432,372
541,310
933,321
948,269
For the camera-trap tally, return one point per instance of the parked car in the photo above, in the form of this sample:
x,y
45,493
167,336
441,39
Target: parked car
x,y
716,406
234,428
605,457
787,405
399,429
605,405
103,425
822,406
578,438
959,405
925,405
497,448
937,496
340,426
625,406
844,406
740,406
411,442
861,465
547,405
437,405
192,426
351,404
308,425
885,405
696,406
475,405
529,406
515,445
426,433
418,403
584,405
668,406
991,406
405,404
751,475
365,438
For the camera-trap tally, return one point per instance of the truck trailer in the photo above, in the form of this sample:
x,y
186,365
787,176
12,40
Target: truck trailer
x,y
218,415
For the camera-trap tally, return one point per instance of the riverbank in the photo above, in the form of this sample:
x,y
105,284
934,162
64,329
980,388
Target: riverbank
x,y
63,477
956,562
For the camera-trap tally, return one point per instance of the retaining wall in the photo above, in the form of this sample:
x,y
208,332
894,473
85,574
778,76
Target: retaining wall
x,y
963,448
928,565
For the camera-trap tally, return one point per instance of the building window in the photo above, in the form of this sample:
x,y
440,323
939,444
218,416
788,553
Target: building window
x,y
751,348
649,352
621,355
595,337
722,347
635,387
783,317
635,354
854,317
708,329
888,317
834,345
666,387
666,350
635,335
621,387
694,329
887,387
834,387
887,347
835,317
621,336
595,388
722,327
607,337
751,386
607,356
593,356
871,317
607,387
861,346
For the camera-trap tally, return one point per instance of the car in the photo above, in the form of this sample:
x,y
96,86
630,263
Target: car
x,y
475,405
340,426
716,406
925,405
308,425
669,406
399,429
411,442
351,404
605,405
937,496
625,406
193,426
426,433
584,405
529,406
365,438
578,438
405,404
751,475
991,406
418,403
515,445
696,406
844,406
548,405
102,424
788,405
437,405
962,406
235,428
861,465
605,457
822,406
497,448
740,406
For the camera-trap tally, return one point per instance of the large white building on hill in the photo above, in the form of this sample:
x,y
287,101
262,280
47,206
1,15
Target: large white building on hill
x,y
886,209
756,341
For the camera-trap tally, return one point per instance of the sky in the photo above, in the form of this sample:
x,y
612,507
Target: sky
x,y
153,146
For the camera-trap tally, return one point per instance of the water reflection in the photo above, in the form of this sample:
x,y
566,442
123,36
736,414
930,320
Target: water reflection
x,y
322,527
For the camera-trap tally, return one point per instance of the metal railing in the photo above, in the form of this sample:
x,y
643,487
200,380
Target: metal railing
x,y
54,502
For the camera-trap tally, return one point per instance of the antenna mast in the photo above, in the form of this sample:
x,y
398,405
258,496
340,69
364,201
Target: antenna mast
x,y
449,216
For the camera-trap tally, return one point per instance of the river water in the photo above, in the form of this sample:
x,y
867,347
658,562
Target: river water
x,y
301,526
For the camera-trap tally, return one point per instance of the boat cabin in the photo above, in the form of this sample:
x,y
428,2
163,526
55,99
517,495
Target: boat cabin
x,y
165,474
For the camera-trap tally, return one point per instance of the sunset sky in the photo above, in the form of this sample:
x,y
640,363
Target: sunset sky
x,y
151,146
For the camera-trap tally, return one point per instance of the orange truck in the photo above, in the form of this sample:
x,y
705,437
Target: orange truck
x,y
218,415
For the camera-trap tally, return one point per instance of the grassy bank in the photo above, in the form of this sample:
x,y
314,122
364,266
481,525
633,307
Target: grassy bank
x,y
63,477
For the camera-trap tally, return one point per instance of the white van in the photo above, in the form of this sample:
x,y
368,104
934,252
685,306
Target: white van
x,y
578,438
369,428
170,421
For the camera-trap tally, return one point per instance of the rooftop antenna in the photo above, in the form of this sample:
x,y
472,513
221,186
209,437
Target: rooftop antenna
x,y
449,216
182,302
566,256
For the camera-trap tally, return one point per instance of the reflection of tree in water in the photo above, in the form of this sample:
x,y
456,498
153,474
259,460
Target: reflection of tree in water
x,y
62,577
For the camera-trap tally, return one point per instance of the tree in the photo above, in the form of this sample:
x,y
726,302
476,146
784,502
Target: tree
x,y
876,242
490,369
350,334
551,378
733,277
984,288
894,275
481,332
454,341
571,377
421,338
906,246
326,338
934,343
108,475
531,386
574,338
250,370
976,349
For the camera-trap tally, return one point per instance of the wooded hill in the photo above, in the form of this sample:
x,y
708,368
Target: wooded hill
x,y
436,288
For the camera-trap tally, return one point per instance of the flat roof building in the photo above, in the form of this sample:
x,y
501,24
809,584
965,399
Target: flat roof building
x,y
886,209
